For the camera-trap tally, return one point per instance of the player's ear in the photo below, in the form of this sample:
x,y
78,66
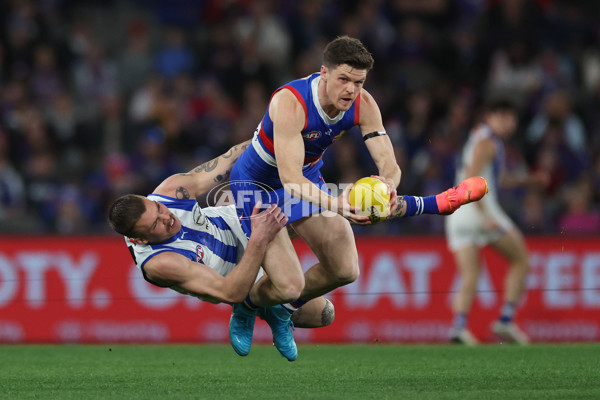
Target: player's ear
x,y
138,241
324,71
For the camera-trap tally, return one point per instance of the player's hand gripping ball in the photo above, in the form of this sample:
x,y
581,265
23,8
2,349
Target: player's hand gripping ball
x,y
372,197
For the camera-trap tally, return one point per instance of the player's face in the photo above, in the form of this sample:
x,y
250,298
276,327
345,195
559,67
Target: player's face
x,y
343,84
157,223
507,123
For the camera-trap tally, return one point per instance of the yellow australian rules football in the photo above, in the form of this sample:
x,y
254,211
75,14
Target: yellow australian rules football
x,y
372,197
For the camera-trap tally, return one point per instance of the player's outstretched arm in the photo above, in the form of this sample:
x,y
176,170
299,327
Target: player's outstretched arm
x,y
204,177
173,269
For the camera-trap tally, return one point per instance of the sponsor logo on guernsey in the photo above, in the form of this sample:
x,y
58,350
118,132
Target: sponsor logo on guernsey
x,y
314,135
199,253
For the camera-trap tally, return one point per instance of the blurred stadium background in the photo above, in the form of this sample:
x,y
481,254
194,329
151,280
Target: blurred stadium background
x,y
102,98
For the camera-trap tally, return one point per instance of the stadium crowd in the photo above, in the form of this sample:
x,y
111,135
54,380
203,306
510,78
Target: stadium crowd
x,y
102,98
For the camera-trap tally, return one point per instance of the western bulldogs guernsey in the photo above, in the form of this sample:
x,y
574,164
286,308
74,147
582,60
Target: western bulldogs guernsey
x,y
211,236
258,163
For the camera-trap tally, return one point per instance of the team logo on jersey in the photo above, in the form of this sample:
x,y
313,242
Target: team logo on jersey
x,y
314,135
199,253
199,218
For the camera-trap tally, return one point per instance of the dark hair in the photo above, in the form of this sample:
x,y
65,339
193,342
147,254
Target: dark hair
x,y
125,212
347,50
501,105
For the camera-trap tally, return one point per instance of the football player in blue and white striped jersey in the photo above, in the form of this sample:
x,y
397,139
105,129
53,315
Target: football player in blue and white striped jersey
x,y
202,252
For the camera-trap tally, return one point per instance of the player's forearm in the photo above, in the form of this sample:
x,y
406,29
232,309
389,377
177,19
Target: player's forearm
x,y
391,172
382,152
240,280
303,189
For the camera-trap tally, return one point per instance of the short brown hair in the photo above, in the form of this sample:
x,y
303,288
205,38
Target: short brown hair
x,y
125,212
500,104
347,50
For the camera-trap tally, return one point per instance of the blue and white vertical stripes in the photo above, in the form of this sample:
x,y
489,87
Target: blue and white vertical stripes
x,y
212,236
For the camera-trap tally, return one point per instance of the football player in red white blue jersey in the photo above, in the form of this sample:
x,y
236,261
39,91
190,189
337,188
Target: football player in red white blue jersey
x,y
282,166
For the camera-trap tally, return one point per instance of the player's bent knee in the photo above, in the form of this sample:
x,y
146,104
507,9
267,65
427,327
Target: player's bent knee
x,y
316,313
328,313
289,291
347,275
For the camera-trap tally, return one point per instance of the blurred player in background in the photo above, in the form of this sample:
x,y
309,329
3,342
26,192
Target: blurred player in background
x,y
485,223
303,118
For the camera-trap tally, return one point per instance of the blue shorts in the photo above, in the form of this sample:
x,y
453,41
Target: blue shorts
x,y
252,179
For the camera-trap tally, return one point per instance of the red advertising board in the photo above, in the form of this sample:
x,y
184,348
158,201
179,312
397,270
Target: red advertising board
x,y
87,289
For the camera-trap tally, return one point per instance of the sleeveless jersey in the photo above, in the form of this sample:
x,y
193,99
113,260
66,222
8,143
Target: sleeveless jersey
x,y
319,130
211,236
467,226
492,171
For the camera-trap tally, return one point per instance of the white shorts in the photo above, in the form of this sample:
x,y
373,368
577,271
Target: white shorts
x,y
465,227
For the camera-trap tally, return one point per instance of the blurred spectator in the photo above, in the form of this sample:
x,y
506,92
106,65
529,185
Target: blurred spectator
x,y
558,112
135,61
559,130
261,34
46,80
152,162
93,110
513,27
62,119
95,77
533,216
112,126
144,101
174,57
580,218
43,187
514,74
12,189
305,22
23,27
69,215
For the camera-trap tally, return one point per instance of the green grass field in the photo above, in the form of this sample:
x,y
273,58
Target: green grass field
x,y
321,372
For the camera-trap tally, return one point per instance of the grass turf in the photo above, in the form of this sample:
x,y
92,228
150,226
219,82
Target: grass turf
x,y
321,372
